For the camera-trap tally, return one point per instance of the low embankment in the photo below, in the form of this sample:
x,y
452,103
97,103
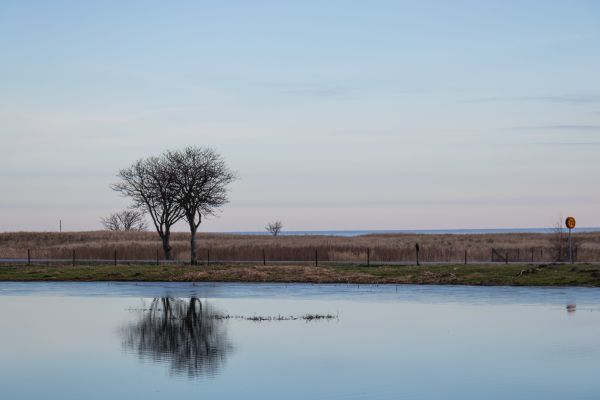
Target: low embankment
x,y
472,274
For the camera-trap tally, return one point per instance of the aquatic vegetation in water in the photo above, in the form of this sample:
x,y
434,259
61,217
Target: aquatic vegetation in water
x,y
279,317
258,318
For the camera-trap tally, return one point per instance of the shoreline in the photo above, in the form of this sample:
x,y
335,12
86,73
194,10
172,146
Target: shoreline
x,y
585,275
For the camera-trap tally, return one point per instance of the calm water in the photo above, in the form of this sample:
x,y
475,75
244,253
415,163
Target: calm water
x,y
350,233
158,341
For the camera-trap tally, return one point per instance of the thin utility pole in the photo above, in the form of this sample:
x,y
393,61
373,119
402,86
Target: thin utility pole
x,y
570,247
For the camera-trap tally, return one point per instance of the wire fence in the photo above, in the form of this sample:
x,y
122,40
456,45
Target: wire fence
x,y
302,255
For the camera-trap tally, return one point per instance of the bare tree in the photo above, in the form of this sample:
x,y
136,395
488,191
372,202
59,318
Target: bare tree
x,y
559,241
274,227
126,220
151,184
201,179
111,223
133,220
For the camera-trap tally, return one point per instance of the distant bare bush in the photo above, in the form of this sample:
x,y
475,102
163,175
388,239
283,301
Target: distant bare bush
x,y
559,242
126,220
274,227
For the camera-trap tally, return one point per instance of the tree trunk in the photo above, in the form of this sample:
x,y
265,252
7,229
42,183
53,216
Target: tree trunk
x,y
166,245
193,250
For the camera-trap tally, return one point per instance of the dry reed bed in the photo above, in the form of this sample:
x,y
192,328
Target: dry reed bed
x,y
231,247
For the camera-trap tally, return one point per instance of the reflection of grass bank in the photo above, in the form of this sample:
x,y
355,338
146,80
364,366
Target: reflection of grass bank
x,y
475,274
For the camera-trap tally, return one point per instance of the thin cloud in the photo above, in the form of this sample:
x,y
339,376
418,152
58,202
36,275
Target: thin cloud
x,y
315,90
384,203
572,127
564,99
569,143
319,92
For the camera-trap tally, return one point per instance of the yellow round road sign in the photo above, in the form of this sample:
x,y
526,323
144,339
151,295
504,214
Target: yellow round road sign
x,y
570,222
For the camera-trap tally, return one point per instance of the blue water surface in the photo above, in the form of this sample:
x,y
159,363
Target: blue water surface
x,y
170,340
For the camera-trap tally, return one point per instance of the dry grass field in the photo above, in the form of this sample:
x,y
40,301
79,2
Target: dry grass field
x,y
229,247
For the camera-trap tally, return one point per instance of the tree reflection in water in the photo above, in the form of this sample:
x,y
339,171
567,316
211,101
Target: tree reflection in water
x,y
186,334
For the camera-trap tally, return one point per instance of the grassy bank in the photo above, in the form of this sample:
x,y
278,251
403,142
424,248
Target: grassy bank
x,y
484,274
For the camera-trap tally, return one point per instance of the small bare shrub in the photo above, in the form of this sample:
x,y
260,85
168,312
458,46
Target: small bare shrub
x,y
126,220
274,227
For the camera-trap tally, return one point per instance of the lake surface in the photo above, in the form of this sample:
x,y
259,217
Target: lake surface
x,y
177,340
350,233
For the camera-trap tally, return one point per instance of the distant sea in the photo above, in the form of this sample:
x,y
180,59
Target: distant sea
x,y
419,231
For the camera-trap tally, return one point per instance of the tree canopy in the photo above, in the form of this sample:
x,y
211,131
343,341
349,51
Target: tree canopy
x,y
179,184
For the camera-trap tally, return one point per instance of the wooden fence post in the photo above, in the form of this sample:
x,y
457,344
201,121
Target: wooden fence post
x,y
28,257
532,255
417,248
264,257
465,257
316,258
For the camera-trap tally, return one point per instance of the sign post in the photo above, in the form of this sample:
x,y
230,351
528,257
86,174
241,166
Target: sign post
x,y
570,223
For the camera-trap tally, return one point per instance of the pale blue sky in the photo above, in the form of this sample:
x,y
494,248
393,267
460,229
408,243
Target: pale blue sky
x,y
336,114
